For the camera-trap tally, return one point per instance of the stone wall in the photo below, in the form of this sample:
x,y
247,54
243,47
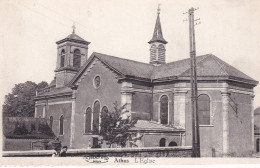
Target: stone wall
x,y
240,125
28,144
17,144
113,152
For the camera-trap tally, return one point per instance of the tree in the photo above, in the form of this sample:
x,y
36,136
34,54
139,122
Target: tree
x,y
41,85
115,127
20,102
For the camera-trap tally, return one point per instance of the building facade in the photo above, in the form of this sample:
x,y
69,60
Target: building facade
x,y
157,94
257,129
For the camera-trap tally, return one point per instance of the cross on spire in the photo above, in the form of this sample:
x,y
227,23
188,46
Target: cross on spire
x,y
158,9
73,27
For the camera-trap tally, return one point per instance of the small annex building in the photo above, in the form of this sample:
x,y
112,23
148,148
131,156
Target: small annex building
x,y
26,133
157,93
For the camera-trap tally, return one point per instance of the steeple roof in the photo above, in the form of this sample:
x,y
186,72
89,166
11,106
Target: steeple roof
x,y
73,37
157,35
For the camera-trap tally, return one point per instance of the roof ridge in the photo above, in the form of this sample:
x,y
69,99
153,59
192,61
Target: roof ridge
x,y
186,59
206,56
123,58
110,66
221,66
234,69
99,56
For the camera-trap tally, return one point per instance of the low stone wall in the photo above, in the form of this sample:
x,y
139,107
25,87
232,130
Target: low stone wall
x,y
110,152
17,144
29,144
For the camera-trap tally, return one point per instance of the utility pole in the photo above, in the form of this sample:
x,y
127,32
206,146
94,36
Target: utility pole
x,y
194,88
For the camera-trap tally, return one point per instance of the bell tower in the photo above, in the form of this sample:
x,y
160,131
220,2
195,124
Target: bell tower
x,y
157,43
72,53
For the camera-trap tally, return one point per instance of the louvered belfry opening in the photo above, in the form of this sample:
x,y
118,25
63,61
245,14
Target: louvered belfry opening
x,y
161,53
153,53
76,58
62,59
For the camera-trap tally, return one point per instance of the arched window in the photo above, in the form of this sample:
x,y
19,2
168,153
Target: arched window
x,y
204,109
104,113
162,142
76,58
257,144
104,110
51,122
62,58
96,111
88,120
164,109
172,143
153,53
161,53
61,124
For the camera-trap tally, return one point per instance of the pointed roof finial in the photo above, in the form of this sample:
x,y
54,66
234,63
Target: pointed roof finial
x,y
158,9
73,27
157,35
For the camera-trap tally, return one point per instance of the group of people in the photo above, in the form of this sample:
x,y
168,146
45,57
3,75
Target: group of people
x,y
60,151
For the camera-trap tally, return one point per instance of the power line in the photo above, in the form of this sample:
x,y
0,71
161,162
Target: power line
x,y
43,15
59,14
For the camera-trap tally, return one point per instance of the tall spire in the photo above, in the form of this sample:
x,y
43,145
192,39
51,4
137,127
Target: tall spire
x,y
157,43
157,35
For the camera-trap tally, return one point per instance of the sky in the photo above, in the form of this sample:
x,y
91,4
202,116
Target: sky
x,y
229,29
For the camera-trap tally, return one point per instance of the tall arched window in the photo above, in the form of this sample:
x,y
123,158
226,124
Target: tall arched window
x,y
204,109
88,120
164,109
62,58
104,112
162,142
51,121
76,58
257,144
61,124
96,112
161,53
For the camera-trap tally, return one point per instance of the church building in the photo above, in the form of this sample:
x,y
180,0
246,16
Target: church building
x,y
156,93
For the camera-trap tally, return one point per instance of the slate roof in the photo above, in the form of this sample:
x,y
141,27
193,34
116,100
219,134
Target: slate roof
x,y
207,66
175,68
144,125
74,38
54,91
157,35
127,67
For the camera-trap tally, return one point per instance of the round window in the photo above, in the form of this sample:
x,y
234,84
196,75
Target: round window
x,y
97,81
